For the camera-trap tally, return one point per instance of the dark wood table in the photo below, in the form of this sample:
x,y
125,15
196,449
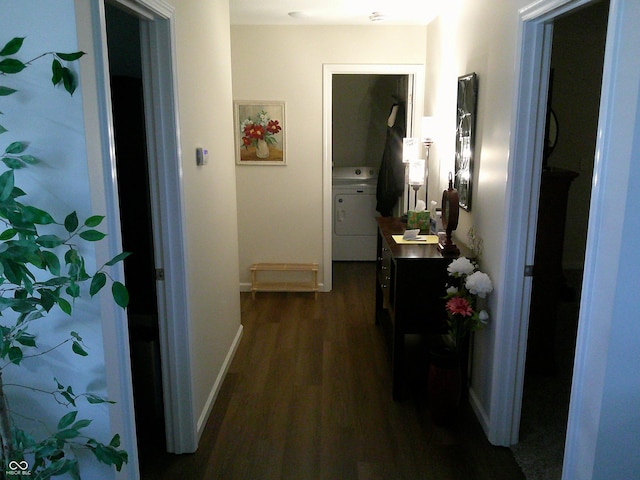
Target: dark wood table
x,y
410,286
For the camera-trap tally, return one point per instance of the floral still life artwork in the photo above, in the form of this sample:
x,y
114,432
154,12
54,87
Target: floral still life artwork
x,y
465,299
260,133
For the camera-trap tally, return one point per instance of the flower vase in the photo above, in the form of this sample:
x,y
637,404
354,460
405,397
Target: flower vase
x,y
444,386
262,149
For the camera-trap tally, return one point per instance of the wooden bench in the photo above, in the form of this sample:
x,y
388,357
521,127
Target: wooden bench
x,y
284,286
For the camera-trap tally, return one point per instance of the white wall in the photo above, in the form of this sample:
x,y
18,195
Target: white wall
x,y
459,43
603,422
280,207
206,118
76,180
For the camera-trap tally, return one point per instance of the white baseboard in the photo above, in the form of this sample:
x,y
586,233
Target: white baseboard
x,y
211,399
479,410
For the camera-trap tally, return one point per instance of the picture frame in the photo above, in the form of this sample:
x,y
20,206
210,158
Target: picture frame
x,y
465,137
260,132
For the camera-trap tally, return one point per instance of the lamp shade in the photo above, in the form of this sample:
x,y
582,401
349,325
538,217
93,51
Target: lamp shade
x,y
427,129
416,172
410,149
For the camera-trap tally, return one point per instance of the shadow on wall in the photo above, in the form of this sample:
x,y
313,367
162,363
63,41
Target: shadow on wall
x,y
361,105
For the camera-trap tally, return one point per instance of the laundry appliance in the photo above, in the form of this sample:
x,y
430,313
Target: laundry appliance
x,y
354,213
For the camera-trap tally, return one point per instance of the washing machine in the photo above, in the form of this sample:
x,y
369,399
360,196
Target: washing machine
x,y
354,213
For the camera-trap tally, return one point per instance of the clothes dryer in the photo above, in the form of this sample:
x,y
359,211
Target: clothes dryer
x,y
354,212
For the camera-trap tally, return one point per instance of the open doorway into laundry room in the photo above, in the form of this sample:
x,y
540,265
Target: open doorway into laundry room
x,y
359,101
563,214
367,109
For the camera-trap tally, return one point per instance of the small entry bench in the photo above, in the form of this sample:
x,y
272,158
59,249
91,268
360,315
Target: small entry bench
x,y
284,286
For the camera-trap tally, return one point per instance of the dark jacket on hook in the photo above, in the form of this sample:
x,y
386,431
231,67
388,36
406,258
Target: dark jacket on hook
x,y
392,170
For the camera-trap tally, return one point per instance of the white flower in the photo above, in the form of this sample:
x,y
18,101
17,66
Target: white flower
x,y
452,290
483,316
479,283
461,266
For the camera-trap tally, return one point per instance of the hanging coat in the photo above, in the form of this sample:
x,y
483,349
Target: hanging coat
x,y
392,170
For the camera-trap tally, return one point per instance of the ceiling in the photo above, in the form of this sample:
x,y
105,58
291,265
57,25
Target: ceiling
x,y
333,12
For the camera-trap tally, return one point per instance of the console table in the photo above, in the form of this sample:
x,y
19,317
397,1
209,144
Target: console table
x,y
410,286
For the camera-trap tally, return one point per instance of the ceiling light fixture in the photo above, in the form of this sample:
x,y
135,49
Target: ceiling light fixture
x,y
377,17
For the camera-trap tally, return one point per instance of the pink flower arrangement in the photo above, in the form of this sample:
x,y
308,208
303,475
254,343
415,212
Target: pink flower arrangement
x,y
464,309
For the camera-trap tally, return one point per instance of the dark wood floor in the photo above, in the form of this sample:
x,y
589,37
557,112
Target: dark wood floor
x,y
308,396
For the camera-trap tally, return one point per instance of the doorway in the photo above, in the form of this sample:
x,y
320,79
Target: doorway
x,y
156,22
132,168
414,75
575,82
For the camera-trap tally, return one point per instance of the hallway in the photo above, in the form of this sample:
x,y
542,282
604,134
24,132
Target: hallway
x,y
308,396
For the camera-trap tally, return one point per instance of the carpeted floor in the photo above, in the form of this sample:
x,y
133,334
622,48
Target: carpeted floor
x,y
546,398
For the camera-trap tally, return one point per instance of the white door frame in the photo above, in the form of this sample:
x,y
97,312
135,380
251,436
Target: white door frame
x,y
165,171
604,238
414,115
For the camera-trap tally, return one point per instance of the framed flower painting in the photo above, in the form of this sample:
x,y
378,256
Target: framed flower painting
x,y
259,133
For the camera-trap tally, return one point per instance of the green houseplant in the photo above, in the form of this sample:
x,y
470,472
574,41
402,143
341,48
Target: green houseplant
x,y
42,269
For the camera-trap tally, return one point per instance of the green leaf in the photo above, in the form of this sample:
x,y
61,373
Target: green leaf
x,y
13,163
2,129
52,262
12,46
70,57
73,290
64,306
92,235
81,424
68,80
56,70
8,234
97,282
37,216
71,256
120,294
71,222
6,185
49,241
67,434
115,441
26,339
47,299
11,65
69,396
29,159
93,221
109,455
118,258
15,355
67,420
94,399
4,91
16,148
78,350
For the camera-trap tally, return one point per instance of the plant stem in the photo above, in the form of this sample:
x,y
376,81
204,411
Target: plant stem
x,y
5,426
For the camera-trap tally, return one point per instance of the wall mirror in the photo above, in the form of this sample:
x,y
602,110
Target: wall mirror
x,y
465,133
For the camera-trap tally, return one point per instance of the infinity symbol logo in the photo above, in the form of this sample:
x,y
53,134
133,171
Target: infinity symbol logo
x,y
23,465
